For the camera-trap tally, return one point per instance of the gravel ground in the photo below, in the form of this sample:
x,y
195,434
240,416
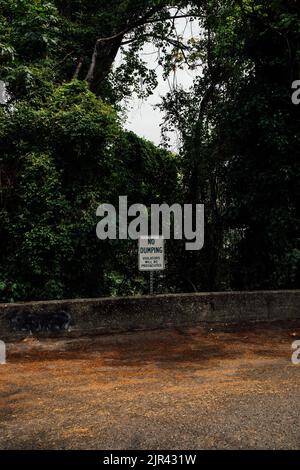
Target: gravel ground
x,y
230,387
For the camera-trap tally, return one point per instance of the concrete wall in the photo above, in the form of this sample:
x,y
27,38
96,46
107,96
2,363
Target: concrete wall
x,y
108,315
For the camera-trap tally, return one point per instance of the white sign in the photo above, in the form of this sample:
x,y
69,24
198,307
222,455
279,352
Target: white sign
x,y
151,254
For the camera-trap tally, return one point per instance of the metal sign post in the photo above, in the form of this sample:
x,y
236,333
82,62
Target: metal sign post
x,y
151,282
151,256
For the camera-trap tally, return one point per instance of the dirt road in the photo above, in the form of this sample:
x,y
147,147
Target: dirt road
x,y
193,388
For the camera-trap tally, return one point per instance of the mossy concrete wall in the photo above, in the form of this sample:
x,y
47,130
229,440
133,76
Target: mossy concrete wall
x,y
109,315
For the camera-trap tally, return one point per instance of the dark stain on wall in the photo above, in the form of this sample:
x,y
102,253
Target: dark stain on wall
x,y
34,322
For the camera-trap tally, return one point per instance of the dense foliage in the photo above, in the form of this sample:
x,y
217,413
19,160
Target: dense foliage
x,y
241,142
63,150
58,163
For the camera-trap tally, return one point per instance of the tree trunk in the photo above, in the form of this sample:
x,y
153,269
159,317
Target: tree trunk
x,y
104,54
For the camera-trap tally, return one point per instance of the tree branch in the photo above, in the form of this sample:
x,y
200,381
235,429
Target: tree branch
x,y
106,49
78,68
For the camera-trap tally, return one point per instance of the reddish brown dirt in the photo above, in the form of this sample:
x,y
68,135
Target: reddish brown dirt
x,y
193,388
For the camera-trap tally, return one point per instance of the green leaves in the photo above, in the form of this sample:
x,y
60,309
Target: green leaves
x,y
58,163
63,150
240,140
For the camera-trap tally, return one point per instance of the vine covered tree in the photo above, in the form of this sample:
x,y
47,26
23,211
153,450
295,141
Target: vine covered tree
x,y
63,150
